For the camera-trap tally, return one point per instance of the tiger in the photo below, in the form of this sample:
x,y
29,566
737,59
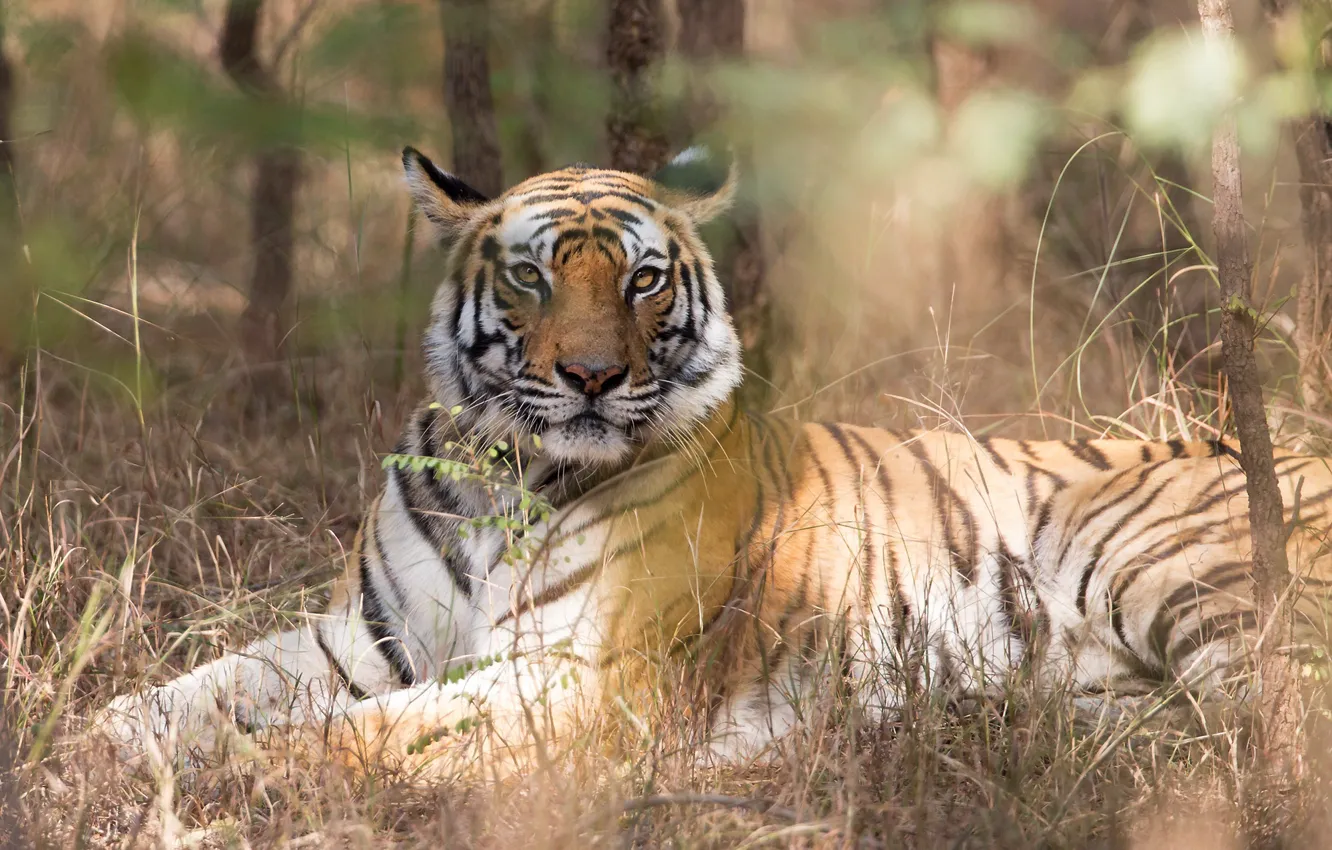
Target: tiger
x,y
580,500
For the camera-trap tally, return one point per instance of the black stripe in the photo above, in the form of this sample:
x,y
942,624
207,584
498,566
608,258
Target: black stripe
x,y
388,644
867,545
946,501
395,587
1098,552
1218,578
1219,448
624,217
551,592
586,198
1130,573
1089,454
1217,626
689,330
892,568
1086,520
354,689
607,234
705,308
433,533
1019,621
555,214
996,458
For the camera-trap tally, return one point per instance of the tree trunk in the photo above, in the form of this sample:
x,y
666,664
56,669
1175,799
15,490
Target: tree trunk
x,y
635,42
1279,709
712,31
975,248
976,256
534,137
8,187
467,95
277,175
1313,306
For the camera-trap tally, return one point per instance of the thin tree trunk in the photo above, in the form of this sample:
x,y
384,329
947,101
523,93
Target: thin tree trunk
x,y
534,137
712,31
976,251
1279,708
277,175
635,43
467,95
8,198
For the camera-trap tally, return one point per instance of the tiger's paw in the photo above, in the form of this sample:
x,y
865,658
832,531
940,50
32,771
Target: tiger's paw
x,y
376,744
140,728
164,725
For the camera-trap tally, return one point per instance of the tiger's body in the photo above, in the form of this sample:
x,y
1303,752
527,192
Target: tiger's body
x,y
581,500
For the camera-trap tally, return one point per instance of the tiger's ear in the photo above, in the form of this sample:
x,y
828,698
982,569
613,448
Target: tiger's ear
x,y
699,184
444,199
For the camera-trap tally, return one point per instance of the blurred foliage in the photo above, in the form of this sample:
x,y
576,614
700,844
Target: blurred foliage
x,y
164,89
389,45
126,112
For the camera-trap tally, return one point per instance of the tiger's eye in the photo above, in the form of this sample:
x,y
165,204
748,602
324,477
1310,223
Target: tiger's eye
x,y
645,278
526,273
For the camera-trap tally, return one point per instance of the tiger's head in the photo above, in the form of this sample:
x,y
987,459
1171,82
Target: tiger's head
x,y
580,306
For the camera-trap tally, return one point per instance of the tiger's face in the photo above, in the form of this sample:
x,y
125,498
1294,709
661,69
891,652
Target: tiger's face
x,y
580,306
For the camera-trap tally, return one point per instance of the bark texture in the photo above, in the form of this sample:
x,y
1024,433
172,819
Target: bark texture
x,y
1279,709
277,176
467,94
635,43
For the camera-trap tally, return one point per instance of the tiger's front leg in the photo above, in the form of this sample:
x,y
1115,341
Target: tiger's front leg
x,y
289,673
500,718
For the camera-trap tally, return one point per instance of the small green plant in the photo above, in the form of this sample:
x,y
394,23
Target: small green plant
x,y
497,468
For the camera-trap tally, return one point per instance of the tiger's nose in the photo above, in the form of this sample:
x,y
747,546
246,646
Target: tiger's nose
x,y
590,381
